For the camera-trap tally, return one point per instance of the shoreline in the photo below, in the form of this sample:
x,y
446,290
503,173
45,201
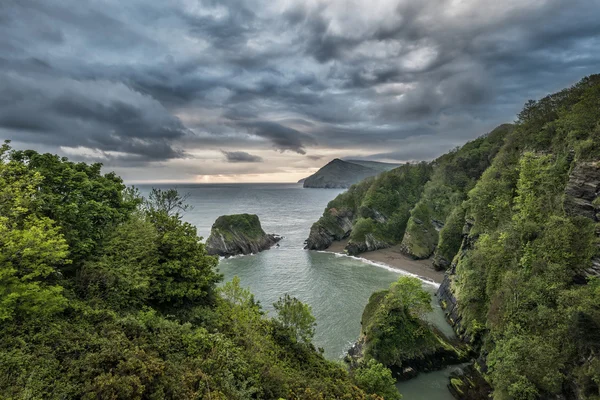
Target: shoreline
x,y
394,259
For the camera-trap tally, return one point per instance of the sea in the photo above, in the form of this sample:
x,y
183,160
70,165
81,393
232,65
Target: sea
x,y
336,287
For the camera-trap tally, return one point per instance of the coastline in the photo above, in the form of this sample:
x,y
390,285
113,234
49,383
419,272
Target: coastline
x,y
393,258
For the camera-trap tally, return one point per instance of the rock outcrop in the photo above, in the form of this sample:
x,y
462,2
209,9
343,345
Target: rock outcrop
x,y
236,234
404,343
334,225
369,243
582,198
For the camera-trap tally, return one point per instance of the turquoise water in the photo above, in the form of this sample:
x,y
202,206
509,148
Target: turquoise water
x,y
336,287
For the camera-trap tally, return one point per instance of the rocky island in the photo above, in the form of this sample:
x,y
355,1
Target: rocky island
x,y
236,234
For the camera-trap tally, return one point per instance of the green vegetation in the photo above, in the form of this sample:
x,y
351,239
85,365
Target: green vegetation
x,y
375,378
296,317
520,214
395,333
454,175
409,204
520,279
378,208
106,296
249,224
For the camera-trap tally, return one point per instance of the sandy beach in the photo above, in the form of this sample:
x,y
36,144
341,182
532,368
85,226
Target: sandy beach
x,y
392,257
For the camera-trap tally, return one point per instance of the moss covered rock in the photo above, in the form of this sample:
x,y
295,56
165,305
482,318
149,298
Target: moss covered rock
x,y
395,334
239,234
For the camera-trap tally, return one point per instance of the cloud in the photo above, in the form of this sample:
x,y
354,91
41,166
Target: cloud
x,y
241,157
151,84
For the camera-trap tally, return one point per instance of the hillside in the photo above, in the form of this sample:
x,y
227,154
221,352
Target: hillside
x,y
342,174
107,295
514,219
408,204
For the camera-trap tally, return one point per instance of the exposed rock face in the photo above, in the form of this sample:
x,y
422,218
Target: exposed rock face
x,y
336,226
238,234
370,243
450,306
468,384
582,197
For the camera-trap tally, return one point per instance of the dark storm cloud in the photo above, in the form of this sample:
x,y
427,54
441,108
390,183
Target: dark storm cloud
x,y
138,82
282,137
240,156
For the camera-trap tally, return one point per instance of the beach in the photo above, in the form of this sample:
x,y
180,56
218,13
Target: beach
x,y
394,258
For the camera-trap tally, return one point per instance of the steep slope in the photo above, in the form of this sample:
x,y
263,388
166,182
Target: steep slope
x,y
408,204
523,287
518,213
455,174
372,213
342,174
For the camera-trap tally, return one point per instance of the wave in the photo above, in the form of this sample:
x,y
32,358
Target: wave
x,y
384,266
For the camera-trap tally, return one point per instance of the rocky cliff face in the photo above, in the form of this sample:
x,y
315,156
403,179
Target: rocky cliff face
x,y
334,225
582,198
239,234
369,243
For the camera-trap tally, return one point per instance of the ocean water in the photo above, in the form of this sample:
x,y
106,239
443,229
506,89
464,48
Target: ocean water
x,y
335,286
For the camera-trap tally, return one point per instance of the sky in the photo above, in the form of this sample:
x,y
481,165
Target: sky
x,y
260,91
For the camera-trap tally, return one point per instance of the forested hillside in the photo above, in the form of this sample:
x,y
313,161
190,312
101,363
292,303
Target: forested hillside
x,y
408,204
518,214
526,276
105,295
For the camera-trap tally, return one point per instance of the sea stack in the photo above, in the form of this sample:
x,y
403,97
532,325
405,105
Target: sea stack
x,y
236,234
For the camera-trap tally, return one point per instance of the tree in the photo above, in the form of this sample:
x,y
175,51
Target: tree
x,y
168,201
375,378
296,316
31,247
408,293
77,197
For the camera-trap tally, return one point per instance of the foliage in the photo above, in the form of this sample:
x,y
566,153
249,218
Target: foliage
x,y
455,173
296,317
375,378
168,201
520,273
247,224
142,318
450,238
31,247
392,325
81,201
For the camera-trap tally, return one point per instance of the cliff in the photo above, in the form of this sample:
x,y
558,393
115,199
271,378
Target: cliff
x,y
394,333
340,174
522,287
238,234
514,219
